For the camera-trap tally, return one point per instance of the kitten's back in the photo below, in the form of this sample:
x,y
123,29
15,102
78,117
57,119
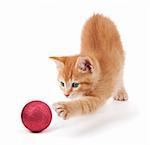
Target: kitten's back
x,y
99,33
100,39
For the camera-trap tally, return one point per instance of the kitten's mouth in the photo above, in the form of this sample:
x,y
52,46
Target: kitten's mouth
x,y
72,96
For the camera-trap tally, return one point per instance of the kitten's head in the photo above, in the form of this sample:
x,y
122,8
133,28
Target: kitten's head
x,y
76,74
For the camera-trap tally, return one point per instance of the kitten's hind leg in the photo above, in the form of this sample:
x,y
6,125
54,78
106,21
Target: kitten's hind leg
x,y
120,92
121,95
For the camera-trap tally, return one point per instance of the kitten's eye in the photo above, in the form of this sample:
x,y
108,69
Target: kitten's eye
x,y
62,84
75,85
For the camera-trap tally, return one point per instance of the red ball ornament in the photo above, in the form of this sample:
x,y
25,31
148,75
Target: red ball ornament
x,y
36,116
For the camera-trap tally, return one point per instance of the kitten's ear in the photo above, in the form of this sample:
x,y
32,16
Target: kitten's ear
x,y
85,64
59,61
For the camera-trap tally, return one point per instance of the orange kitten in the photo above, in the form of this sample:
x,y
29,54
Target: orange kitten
x,y
94,75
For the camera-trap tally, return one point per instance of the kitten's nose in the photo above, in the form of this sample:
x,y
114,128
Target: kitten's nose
x,y
67,95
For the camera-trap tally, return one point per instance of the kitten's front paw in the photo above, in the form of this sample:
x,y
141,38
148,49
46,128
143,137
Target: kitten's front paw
x,y
62,110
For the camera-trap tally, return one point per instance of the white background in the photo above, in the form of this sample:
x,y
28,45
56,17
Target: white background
x,y
30,31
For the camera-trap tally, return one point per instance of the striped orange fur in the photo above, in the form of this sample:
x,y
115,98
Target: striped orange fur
x,y
97,70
